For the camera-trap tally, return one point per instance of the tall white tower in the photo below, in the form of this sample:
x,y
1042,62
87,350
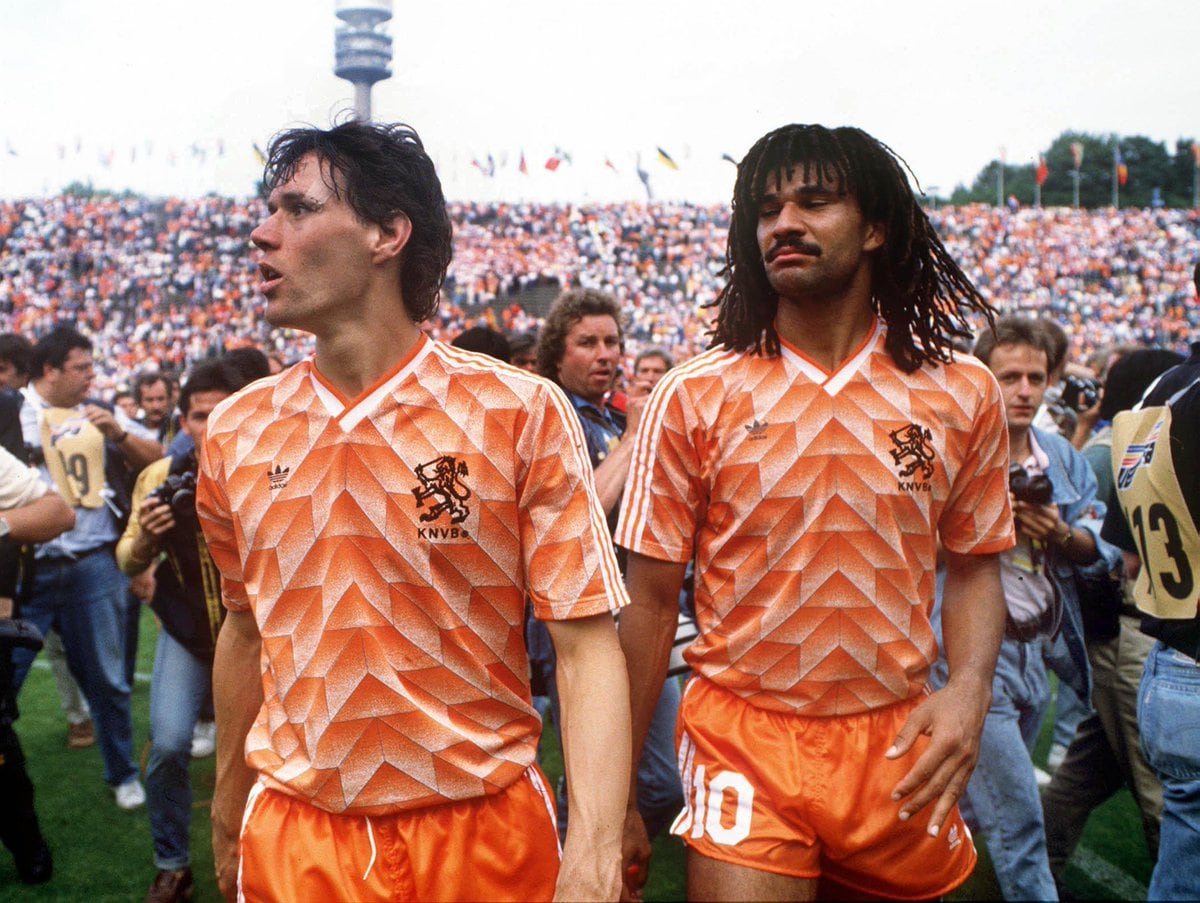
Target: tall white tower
x,y
363,52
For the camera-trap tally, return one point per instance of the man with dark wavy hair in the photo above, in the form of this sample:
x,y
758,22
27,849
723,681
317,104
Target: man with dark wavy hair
x,y
380,514
813,462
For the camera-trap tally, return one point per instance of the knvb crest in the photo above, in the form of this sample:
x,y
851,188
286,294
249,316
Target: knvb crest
x,y
914,456
1135,456
442,486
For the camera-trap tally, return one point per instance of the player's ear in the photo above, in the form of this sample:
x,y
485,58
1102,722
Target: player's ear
x,y
393,236
874,236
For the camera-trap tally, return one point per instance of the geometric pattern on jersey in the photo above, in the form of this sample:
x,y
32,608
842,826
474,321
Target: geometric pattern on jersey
x,y
814,503
386,547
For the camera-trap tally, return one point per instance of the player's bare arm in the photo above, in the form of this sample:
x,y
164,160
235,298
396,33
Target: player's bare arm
x,y
237,697
595,738
646,630
41,520
972,624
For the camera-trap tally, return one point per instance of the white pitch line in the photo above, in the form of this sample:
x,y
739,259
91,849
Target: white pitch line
x,y
1115,880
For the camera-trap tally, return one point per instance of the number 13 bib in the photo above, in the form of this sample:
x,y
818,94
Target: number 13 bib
x,y
1158,515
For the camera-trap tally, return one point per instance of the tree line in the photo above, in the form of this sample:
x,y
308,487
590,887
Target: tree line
x,y
1156,176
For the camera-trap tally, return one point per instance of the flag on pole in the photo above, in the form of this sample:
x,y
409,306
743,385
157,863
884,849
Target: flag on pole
x,y
665,159
554,162
259,155
1042,170
1121,169
729,157
1077,153
609,163
522,166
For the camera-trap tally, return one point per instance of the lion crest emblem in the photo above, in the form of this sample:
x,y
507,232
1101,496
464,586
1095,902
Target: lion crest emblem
x,y
442,480
913,446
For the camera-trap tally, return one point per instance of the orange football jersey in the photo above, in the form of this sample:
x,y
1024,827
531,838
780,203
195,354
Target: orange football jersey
x,y
386,547
814,503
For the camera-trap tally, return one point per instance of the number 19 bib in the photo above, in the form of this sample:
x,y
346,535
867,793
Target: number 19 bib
x,y
74,451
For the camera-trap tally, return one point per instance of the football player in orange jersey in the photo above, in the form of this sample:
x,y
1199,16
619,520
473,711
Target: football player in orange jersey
x,y
379,515
816,461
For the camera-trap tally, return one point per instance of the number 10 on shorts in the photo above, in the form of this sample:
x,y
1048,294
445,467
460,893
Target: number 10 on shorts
x,y
720,807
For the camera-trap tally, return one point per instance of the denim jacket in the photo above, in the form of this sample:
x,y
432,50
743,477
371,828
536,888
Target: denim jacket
x,y
1075,494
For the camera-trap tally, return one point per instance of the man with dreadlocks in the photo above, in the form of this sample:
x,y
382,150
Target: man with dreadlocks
x,y
816,461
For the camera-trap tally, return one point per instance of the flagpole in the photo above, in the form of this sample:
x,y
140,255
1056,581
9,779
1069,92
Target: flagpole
x,y
1116,187
1077,159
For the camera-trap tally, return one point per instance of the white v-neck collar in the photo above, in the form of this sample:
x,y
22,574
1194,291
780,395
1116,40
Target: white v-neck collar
x,y
833,382
350,413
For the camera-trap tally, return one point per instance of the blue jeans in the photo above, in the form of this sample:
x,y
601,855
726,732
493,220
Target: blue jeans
x,y
1169,721
85,601
1069,709
177,690
1001,800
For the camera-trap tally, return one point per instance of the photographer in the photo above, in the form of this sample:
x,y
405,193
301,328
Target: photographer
x,y
188,604
1058,518
30,511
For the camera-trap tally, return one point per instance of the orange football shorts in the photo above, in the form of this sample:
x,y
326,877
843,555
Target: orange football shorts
x,y
501,847
810,797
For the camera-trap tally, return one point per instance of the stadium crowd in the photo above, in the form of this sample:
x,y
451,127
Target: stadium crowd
x,y
160,284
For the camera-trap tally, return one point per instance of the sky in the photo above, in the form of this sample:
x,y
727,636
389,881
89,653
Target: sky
x,y
168,97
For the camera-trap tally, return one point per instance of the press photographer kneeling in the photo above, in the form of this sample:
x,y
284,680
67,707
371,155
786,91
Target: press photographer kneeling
x,y
187,601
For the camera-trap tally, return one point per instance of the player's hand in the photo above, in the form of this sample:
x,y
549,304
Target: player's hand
x,y
635,856
953,719
1040,522
589,877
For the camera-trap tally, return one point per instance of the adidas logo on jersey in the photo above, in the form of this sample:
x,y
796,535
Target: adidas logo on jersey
x,y
278,477
756,429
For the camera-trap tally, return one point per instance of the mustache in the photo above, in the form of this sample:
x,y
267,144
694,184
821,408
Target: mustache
x,y
797,244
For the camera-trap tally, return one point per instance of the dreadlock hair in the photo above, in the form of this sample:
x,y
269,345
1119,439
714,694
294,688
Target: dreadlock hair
x,y
379,171
918,290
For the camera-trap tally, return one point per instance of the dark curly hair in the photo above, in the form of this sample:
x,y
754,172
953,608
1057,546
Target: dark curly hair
x,y
568,309
918,290
383,170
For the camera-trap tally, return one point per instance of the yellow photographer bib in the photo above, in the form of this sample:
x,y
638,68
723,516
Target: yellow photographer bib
x,y
1158,515
74,451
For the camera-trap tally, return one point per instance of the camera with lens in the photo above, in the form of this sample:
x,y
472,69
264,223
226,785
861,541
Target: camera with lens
x,y
1079,393
178,490
1034,490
